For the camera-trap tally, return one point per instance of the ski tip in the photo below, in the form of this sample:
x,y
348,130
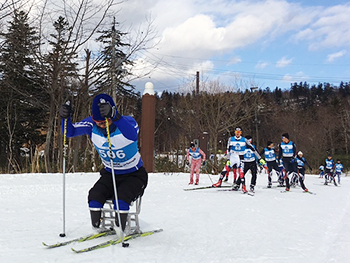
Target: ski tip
x,y
311,193
49,246
78,251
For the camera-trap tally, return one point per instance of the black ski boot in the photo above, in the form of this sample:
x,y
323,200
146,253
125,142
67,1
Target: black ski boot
x,y
252,188
95,218
123,218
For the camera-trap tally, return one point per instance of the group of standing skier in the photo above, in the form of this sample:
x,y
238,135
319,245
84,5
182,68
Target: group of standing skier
x,y
242,156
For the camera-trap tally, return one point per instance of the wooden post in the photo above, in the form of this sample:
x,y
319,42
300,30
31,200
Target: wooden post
x,y
148,120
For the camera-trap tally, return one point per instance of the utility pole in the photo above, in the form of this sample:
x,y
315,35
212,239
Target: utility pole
x,y
202,138
114,64
256,121
197,129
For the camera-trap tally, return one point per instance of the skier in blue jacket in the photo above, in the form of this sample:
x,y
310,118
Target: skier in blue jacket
x,y
130,175
270,158
329,170
299,177
287,153
338,169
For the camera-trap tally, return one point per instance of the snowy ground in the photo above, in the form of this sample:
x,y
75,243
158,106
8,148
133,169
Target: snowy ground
x,y
199,226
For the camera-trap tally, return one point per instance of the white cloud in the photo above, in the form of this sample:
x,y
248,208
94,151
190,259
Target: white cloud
x,y
202,67
221,26
332,57
235,60
298,77
283,62
330,28
261,65
197,33
287,78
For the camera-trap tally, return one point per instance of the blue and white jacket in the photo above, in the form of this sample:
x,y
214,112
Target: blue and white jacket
x,y
269,153
251,155
196,155
236,145
123,135
287,150
339,168
239,146
329,164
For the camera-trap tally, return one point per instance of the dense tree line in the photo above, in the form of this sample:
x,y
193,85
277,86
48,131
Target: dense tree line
x,y
316,117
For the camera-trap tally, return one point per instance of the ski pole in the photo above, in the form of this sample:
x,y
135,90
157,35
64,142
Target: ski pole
x,y
114,184
206,168
63,234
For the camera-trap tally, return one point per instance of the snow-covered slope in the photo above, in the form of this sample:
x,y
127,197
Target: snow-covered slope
x,y
199,226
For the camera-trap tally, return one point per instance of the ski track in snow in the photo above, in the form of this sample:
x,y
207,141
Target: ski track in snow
x,y
199,226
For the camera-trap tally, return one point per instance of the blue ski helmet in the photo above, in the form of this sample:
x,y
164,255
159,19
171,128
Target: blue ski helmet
x,y
101,98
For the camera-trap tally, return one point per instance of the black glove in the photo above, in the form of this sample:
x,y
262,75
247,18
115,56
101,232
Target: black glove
x,y
187,163
65,110
204,162
107,111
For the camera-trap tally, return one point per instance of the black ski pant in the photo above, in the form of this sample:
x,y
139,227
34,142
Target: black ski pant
x,y
129,186
290,167
328,174
272,165
301,176
253,169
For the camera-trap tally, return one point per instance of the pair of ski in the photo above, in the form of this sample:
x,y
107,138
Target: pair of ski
x,y
247,193
103,244
206,187
329,184
229,188
308,192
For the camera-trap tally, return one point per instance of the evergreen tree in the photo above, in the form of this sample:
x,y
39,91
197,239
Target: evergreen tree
x,y
61,72
20,95
113,61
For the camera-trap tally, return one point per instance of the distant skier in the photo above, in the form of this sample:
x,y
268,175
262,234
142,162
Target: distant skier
x,y
236,146
270,158
300,175
339,168
329,170
321,169
287,153
197,158
249,163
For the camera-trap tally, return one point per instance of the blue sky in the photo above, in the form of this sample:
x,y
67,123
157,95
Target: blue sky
x,y
243,43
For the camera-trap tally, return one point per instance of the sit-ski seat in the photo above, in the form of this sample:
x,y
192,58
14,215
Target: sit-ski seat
x,y
108,216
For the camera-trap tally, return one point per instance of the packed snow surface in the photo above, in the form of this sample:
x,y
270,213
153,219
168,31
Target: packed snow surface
x,y
207,225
